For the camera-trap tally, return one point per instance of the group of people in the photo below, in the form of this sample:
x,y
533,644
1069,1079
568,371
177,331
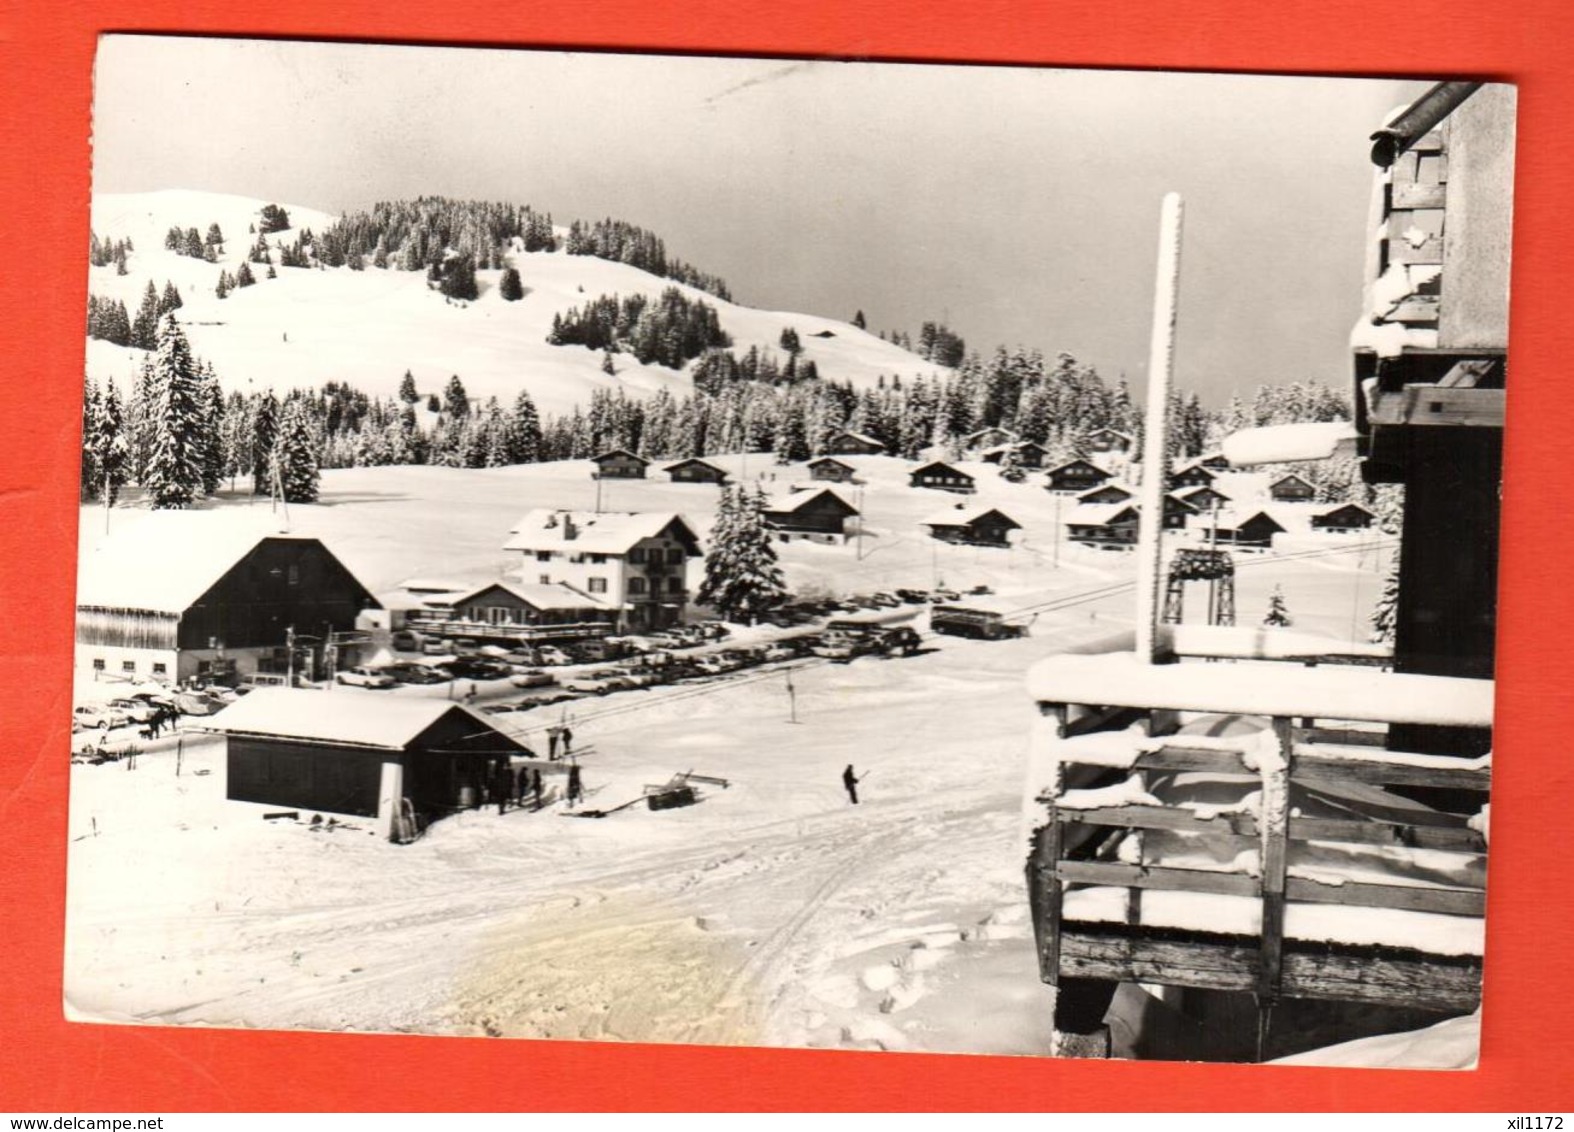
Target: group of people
x,y
511,786
163,716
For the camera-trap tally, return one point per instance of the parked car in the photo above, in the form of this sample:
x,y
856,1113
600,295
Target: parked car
x,y
913,597
136,710
196,703
532,678
939,596
409,672
779,651
592,683
436,646
475,668
885,601
468,646
551,654
407,640
981,591
98,715
366,677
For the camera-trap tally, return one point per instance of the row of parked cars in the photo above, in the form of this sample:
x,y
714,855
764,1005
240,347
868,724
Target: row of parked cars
x,y
802,610
142,708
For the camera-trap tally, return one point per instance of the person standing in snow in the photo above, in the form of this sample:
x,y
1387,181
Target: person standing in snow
x,y
502,786
553,735
568,741
535,785
575,789
850,781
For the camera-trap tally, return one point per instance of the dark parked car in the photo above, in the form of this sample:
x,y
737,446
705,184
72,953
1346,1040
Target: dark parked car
x,y
411,673
474,668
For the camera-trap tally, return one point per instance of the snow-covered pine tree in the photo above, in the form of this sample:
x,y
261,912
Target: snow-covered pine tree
x,y
296,453
170,300
144,328
176,419
524,431
212,402
742,578
264,435
88,487
109,443
510,287
456,403
243,275
1278,614
1389,502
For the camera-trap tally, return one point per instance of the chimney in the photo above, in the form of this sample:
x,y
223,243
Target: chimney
x,y
570,532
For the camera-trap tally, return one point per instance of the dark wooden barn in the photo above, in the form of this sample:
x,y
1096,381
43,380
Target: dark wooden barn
x,y
1027,454
1205,498
695,471
845,442
1075,477
831,470
1109,440
1246,528
180,596
942,477
809,513
360,753
1291,489
619,465
973,526
1191,475
1105,493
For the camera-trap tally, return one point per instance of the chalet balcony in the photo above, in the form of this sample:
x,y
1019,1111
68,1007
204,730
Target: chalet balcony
x,y
438,625
1246,828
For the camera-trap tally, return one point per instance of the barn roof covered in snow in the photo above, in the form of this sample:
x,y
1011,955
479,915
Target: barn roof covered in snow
x,y
351,717
794,500
966,516
590,532
1098,514
165,560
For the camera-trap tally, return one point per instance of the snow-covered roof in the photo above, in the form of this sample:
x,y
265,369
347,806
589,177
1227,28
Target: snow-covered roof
x,y
1287,477
830,460
1283,444
1103,487
165,560
1080,460
1263,642
859,436
693,460
1097,514
1111,432
618,454
1323,692
361,719
1333,507
606,532
552,596
1232,518
433,585
803,496
1190,493
963,516
939,466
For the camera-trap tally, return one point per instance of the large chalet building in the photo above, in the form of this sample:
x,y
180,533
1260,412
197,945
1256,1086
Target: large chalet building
x,y
817,514
636,563
182,596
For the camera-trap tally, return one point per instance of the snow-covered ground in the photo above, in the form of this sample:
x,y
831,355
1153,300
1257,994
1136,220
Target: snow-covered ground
x,y
772,912
368,327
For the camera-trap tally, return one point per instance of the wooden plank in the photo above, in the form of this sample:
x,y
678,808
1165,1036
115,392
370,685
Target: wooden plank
x,y
1150,876
1416,308
1315,766
1401,250
1448,901
1431,143
1347,736
1467,375
1387,833
1419,194
1372,810
1174,757
1089,953
1049,894
1419,983
1103,719
1163,817
1436,406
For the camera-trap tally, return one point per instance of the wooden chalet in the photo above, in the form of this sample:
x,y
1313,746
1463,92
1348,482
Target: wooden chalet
x,y
973,526
517,613
1354,898
831,470
1214,462
1113,526
694,470
1204,498
619,465
1254,529
1025,454
182,596
819,515
1109,440
1075,477
992,437
942,477
1292,489
1343,518
1191,475
1105,493
845,442
404,761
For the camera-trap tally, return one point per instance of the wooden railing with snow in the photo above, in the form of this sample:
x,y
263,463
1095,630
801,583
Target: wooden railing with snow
x,y
1107,731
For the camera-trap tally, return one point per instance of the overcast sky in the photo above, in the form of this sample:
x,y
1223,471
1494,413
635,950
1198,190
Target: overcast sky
x,y
1019,206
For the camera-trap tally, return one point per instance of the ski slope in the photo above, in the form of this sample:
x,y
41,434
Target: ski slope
x,y
368,327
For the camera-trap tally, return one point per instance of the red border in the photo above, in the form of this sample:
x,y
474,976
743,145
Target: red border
x,y
51,1066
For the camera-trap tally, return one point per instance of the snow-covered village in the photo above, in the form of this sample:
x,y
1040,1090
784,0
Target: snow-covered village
x,y
491,624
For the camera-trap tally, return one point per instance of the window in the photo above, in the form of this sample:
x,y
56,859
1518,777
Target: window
x,y
128,666
295,574
545,579
637,555
543,556
597,585
598,559
674,555
159,668
675,585
98,664
636,585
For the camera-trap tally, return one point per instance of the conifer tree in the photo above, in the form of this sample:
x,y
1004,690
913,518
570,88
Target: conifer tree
x,y
1278,615
144,330
742,577
174,472
456,403
109,443
607,366
170,300
244,277
407,392
524,431
212,432
858,321
88,487
264,435
512,289
296,453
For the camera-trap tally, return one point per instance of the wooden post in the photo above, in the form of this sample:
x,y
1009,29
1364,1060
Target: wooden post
x,y
1275,772
1161,364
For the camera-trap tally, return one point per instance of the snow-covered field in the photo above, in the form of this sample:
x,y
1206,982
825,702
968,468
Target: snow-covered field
x,y
773,912
368,327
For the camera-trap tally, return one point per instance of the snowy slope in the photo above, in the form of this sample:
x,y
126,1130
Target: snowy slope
x,y
367,327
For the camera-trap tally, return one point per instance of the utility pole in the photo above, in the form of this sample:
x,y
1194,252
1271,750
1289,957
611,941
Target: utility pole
x,y
859,553
1056,532
792,698
289,656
